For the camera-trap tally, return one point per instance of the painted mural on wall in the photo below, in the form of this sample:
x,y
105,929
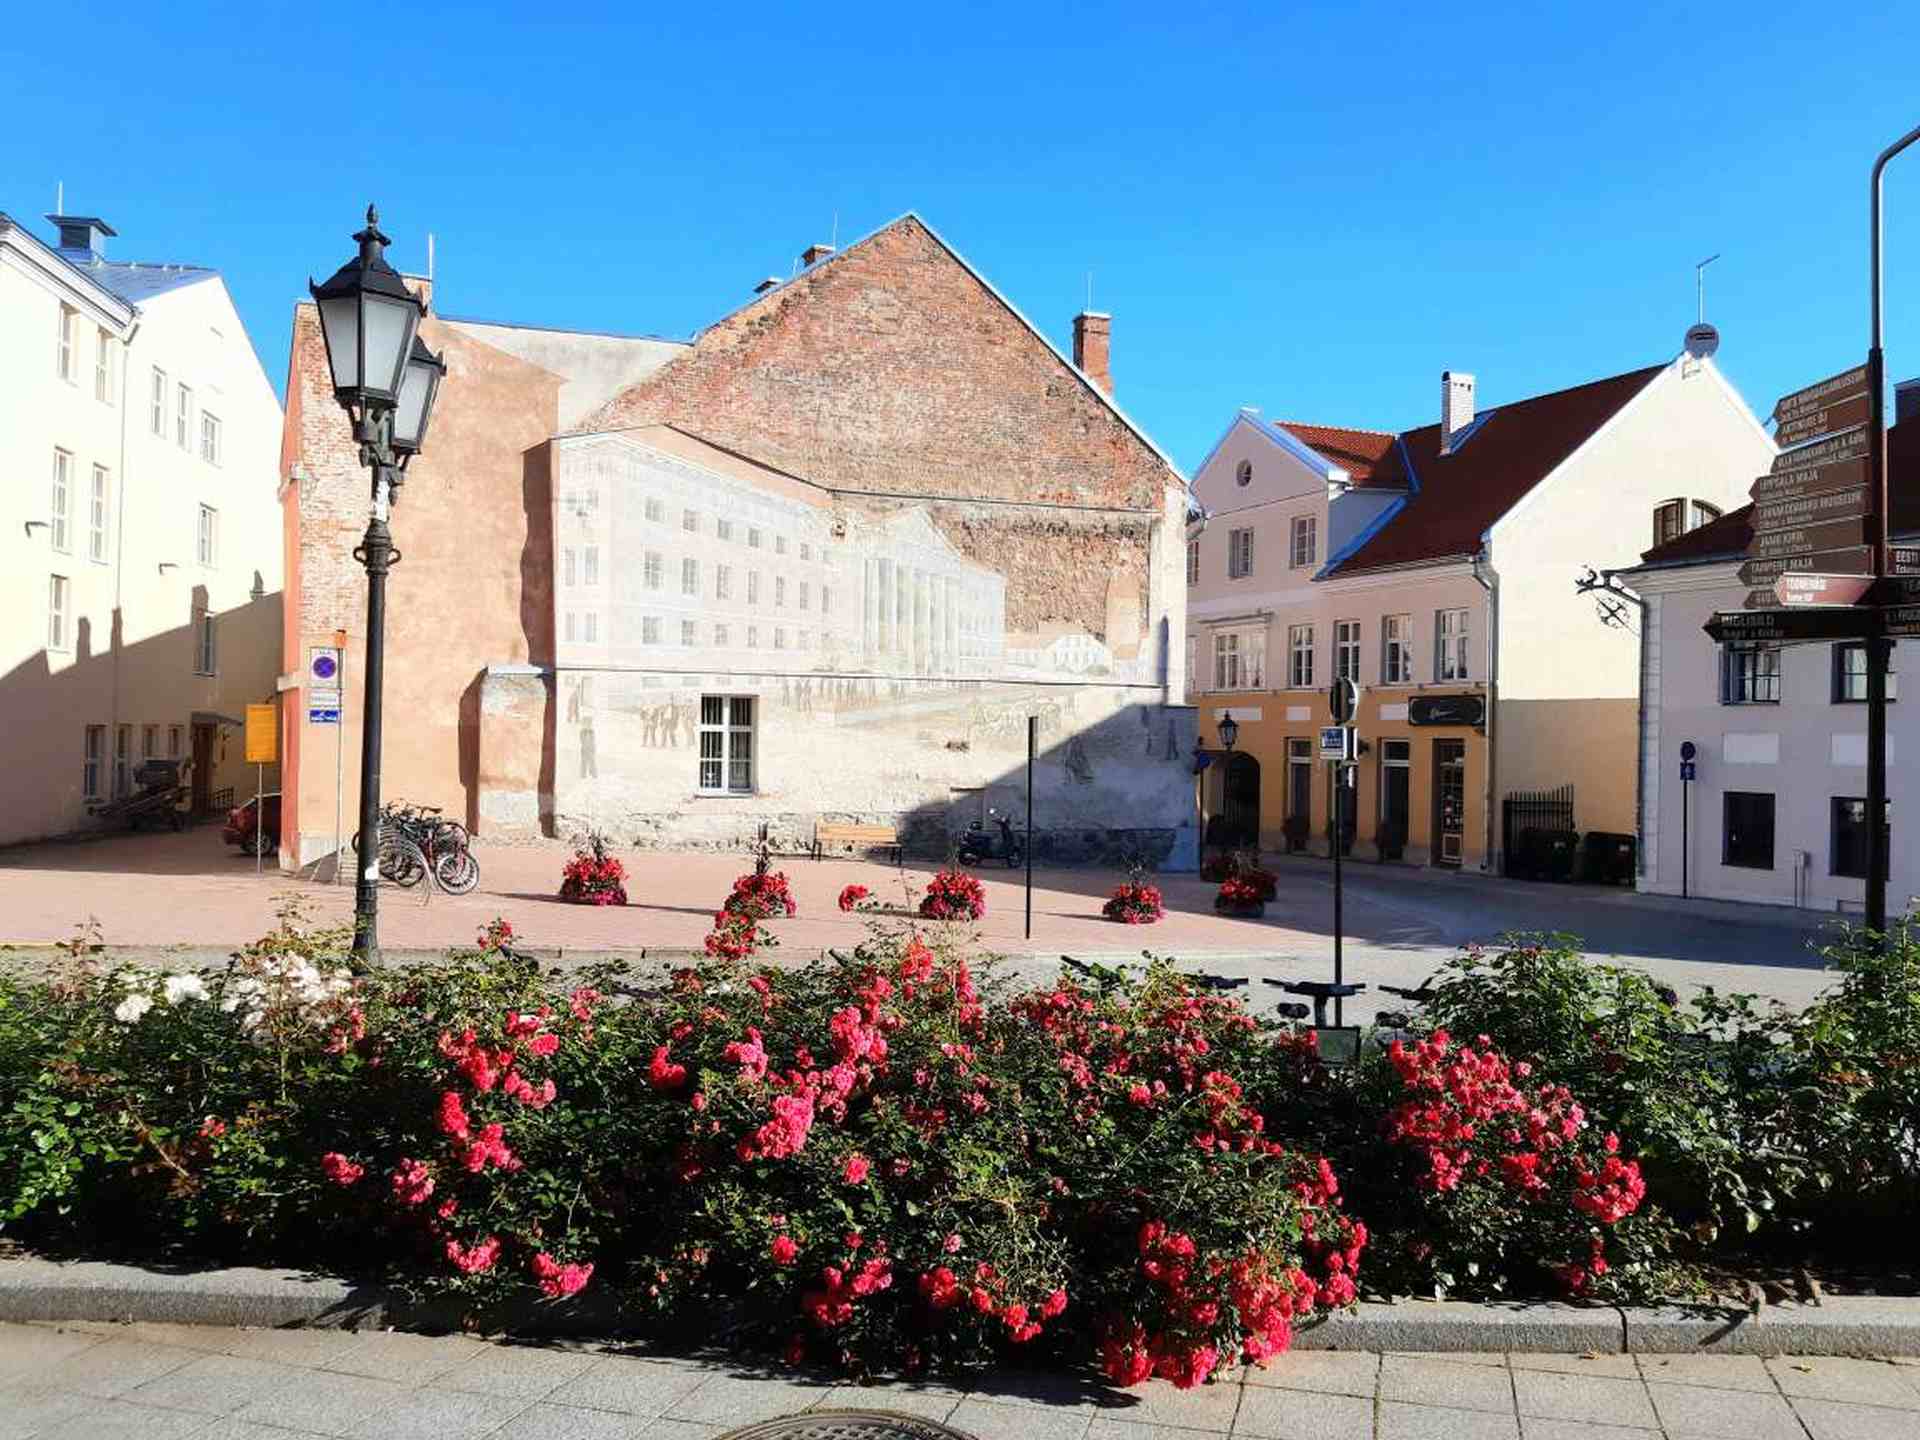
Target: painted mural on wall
x,y
668,565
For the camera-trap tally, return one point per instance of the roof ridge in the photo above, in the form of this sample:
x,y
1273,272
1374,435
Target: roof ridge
x,y
1352,429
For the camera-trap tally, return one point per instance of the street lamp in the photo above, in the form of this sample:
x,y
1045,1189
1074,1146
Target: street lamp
x,y
386,380
1229,730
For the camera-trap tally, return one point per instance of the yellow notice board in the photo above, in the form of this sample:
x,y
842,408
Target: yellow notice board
x,y
262,734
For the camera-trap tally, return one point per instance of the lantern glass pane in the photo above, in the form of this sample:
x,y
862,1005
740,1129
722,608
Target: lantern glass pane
x,y
410,410
390,324
340,320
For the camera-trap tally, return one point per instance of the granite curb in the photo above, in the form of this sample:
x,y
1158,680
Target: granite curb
x,y
46,1290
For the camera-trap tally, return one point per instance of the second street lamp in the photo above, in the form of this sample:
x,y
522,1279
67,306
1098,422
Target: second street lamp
x,y
386,380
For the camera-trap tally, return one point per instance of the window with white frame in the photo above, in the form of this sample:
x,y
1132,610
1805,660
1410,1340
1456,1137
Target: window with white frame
x,y
753,587
569,573
208,546
690,521
205,651
753,537
723,582
1750,675
1240,553
1396,650
59,599
1193,562
690,576
1450,645
122,759
689,632
210,437
590,627
183,417
753,637
157,411
59,528
722,528
1239,659
650,630
779,544
63,359
93,753
1306,541
826,600
97,515
1300,657
653,570
656,510
102,366
806,594
1346,650
779,590
726,744
721,636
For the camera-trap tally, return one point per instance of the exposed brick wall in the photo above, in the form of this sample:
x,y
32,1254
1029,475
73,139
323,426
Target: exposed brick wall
x,y
890,368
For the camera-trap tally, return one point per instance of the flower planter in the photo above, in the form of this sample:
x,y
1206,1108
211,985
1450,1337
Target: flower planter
x,y
1242,909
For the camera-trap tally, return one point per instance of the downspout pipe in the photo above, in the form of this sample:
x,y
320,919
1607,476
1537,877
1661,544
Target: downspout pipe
x,y
1489,580
116,622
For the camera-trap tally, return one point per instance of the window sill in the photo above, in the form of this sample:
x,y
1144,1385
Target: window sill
x,y
1742,865
727,794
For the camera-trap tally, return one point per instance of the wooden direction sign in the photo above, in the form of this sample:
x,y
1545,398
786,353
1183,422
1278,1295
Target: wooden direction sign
x,y
1896,590
1856,560
1906,560
1785,512
1814,479
1814,588
1763,597
1789,627
1827,535
1821,394
1843,415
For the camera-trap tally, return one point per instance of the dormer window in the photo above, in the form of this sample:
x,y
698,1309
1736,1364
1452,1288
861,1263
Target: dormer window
x,y
1674,518
1243,474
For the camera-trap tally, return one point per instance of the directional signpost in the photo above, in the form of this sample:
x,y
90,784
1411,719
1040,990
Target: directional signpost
x,y
1832,404
1814,588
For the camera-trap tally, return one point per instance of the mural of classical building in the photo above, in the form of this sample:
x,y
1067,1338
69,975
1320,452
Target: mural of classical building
x,y
821,562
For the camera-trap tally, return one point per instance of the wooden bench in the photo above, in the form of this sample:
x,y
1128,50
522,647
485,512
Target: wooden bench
x,y
844,837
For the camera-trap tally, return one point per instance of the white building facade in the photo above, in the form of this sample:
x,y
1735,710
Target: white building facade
x,y
142,557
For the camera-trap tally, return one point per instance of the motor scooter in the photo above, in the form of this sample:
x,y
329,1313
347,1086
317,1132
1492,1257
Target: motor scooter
x,y
977,847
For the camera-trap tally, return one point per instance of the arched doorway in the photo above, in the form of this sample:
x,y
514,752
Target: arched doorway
x,y
1240,799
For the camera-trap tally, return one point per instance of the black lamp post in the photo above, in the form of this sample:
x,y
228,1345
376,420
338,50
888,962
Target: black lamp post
x,y
386,380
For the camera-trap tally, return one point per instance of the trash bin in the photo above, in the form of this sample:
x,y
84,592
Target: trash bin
x,y
1607,858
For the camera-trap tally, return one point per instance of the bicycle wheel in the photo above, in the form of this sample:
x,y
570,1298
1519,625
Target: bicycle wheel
x,y
401,862
456,871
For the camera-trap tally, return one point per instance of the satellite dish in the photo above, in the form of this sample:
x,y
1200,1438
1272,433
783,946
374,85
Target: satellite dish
x,y
1702,340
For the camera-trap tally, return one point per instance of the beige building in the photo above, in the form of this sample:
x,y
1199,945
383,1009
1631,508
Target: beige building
x,y
140,565
1435,567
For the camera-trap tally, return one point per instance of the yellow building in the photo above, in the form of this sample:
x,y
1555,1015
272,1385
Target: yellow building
x,y
1436,568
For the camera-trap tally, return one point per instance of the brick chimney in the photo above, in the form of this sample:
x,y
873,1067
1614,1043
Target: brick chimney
x,y
82,236
815,253
1092,346
1456,406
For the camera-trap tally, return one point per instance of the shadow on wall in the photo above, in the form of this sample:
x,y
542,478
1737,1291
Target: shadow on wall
x,y
150,682
536,603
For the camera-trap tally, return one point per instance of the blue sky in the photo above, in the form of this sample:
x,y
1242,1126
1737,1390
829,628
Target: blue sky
x,y
1312,212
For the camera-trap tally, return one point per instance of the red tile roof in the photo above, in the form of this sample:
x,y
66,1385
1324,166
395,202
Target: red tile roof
x,y
1459,496
1357,452
1729,536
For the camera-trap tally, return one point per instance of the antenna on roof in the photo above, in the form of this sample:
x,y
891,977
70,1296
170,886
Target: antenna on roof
x,y
1702,339
833,241
1700,285
429,257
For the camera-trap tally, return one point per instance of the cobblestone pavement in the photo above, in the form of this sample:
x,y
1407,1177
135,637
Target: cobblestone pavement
x,y
175,1382
190,893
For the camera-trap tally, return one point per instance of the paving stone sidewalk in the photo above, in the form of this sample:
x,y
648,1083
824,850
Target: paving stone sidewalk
x,y
94,1381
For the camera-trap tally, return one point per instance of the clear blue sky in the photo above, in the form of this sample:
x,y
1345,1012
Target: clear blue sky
x,y
1314,213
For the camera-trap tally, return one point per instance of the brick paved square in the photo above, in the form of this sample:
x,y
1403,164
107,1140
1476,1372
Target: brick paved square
x,y
438,1415
1719,1372
1430,1422
215,1384
1330,1372
1206,1407
327,1404
1861,1382
1271,1414
989,1421
409,1359
113,1367
117,1420
732,1400
629,1386
1445,1381
533,1371
1584,1397
1612,1366
1699,1410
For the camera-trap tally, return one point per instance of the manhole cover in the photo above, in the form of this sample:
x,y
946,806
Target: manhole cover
x,y
847,1425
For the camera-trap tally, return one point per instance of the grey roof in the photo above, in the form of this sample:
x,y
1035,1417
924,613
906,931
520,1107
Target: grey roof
x,y
135,281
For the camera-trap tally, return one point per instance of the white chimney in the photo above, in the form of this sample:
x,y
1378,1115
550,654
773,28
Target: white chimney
x,y
1456,406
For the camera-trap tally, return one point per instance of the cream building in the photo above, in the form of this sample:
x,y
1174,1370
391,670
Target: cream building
x,y
142,555
1436,568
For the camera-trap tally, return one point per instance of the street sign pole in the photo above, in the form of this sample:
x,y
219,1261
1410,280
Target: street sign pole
x,y
1877,537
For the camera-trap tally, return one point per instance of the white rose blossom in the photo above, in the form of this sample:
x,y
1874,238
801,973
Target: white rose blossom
x,y
132,1008
185,987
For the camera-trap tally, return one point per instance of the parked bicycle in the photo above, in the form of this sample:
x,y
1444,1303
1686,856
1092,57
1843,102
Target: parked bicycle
x,y
417,841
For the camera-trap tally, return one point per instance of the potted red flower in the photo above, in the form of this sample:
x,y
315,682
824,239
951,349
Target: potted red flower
x,y
592,876
1241,897
1134,901
954,895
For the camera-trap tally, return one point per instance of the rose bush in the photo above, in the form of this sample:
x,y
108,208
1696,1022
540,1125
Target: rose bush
x,y
954,895
592,876
1134,903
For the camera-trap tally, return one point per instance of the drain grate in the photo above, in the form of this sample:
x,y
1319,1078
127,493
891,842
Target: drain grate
x,y
847,1425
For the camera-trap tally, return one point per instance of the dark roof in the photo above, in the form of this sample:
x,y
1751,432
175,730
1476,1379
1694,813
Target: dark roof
x,y
1727,538
1452,499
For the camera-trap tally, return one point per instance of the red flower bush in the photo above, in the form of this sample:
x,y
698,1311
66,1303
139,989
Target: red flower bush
x,y
954,895
851,897
1238,894
1134,903
592,877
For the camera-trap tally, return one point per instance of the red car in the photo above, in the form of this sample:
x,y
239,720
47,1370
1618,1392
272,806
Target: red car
x,y
247,829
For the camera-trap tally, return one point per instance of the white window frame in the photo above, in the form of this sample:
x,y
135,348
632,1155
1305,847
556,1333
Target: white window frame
x,y
690,521
656,510
60,527
779,592
1452,636
689,631
590,565
721,636
690,576
211,436
1300,657
753,537
1304,550
103,365
206,543
1193,562
59,613
1346,650
1396,650
63,362
93,754
806,596
723,582
1240,553
649,629
99,515
726,727
590,626
183,417
653,570
569,576
753,587
158,413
